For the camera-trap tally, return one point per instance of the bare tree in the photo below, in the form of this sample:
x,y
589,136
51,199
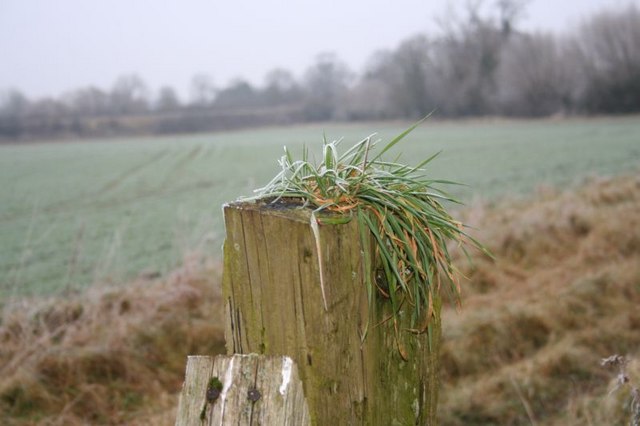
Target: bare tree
x,y
281,88
509,12
404,80
202,91
369,100
48,117
239,94
467,59
14,106
88,101
326,83
13,103
468,52
414,88
609,45
129,95
535,76
167,99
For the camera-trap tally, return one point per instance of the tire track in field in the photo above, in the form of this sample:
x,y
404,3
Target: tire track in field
x,y
151,193
61,205
180,166
113,184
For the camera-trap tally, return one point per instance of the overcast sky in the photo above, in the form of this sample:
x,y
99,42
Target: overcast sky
x,y
50,46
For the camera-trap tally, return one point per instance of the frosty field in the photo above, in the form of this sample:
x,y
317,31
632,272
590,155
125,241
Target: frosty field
x,y
83,212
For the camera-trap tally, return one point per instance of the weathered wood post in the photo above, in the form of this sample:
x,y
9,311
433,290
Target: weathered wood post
x,y
275,302
242,390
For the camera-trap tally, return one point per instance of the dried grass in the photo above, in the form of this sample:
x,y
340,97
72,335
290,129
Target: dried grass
x,y
563,293
109,355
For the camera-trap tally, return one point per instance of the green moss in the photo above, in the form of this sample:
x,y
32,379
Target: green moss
x,y
215,383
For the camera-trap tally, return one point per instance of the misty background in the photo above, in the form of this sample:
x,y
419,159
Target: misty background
x,y
80,69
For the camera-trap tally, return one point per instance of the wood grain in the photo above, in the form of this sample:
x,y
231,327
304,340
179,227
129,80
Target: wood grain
x,y
279,399
274,303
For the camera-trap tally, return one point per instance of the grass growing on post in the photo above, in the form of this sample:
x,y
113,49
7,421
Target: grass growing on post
x,y
400,206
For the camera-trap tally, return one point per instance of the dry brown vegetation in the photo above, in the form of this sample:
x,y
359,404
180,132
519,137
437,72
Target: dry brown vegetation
x,y
107,356
562,293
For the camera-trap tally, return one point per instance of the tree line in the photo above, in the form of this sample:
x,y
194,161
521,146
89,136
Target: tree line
x,y
480,64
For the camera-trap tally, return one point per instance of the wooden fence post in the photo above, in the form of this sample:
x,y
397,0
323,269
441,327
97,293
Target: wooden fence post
x,y
242,390
275,303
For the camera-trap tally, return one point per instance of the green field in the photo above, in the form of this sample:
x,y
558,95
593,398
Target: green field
x,y
83,212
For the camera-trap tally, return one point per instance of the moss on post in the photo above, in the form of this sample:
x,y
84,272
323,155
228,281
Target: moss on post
x,y
274,303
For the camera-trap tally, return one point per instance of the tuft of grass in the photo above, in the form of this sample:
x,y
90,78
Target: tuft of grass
x,y
399,205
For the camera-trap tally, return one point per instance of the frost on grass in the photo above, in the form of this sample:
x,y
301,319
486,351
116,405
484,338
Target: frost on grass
x,y
622,381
